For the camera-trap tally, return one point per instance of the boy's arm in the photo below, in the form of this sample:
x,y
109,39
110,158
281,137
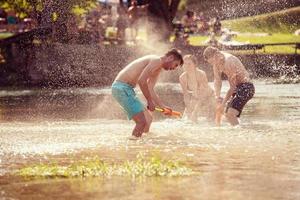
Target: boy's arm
x,y
149,72
151,83
183,84
217,82
202,82
232,84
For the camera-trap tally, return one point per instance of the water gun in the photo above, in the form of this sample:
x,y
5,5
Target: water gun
x,y
168,112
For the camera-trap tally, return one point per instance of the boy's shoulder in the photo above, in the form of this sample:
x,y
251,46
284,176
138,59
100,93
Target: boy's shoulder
x,y
200,72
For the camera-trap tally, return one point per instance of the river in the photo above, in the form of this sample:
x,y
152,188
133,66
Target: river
x,y
260,159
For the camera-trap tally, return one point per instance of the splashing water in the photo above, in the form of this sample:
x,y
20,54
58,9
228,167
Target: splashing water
x,y
253,160
287,74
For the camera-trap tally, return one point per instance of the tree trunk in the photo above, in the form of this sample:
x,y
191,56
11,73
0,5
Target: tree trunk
x,y
173,8
121,3
161,15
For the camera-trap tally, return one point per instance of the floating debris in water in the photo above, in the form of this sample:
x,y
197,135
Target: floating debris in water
x,y
141,167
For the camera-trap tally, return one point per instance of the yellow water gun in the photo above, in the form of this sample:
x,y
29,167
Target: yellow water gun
x,y
169,112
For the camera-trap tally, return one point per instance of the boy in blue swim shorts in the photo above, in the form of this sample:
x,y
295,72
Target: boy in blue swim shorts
x,y
143,72
126,97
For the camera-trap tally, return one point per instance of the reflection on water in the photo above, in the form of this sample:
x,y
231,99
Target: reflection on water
x,y
258,160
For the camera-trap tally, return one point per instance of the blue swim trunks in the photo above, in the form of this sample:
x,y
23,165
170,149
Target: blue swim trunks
x,y
126,97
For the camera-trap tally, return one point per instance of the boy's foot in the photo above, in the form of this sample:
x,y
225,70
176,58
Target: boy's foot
x,y
133,137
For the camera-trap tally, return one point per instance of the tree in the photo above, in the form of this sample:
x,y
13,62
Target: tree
x,y
48,13
161,14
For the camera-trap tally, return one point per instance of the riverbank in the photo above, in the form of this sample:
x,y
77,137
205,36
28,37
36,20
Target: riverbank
x,y
60,65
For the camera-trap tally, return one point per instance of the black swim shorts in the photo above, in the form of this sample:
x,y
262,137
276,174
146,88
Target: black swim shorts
x,y
244,92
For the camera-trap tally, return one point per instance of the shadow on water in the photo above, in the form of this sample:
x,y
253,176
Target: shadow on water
x,y
257,160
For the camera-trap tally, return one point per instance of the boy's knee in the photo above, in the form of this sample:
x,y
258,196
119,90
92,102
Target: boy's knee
x,y
231,112
227,115
146,129
230,115
142,122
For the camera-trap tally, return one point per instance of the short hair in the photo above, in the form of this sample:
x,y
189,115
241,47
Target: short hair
x,y
176,53
210,52
191,57
190,13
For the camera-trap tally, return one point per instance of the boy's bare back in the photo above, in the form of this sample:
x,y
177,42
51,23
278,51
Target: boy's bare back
x,y
234,69
131,73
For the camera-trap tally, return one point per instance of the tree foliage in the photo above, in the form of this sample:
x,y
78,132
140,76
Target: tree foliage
x,y
26,7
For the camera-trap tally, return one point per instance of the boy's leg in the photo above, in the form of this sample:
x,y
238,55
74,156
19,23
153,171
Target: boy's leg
x,y
149,118
211,110
192,109
140,124
195,112
245,92
232,116
187,110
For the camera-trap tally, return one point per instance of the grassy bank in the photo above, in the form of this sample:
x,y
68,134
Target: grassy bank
x,y
5,35
280,27
286,21
253,39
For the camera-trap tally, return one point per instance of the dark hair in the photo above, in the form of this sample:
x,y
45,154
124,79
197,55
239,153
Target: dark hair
x,y
209,52
176,53
189,13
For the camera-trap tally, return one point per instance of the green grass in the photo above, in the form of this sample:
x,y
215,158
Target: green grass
x,y
285,21
281,25
197,40
145,167
5,35
274,38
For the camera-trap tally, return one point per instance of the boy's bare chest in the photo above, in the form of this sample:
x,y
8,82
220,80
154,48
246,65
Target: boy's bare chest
x,y
192,83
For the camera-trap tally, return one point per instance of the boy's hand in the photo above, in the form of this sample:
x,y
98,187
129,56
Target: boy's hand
x,y
219,100
150,106
167,111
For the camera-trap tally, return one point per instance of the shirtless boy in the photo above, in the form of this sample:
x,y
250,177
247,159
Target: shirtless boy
x,y
143,72
241,89
197,94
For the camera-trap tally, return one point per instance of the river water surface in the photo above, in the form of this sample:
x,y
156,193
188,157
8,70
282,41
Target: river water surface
x,y
260,159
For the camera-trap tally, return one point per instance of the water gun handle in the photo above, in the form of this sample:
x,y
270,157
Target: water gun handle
x,y
168,112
